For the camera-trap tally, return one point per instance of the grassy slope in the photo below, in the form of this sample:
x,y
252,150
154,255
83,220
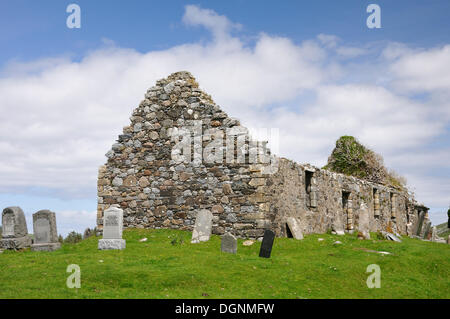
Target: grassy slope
x,y
297,269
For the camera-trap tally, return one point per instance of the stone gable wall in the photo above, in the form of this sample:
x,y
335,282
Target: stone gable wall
x,y
148,175
157,191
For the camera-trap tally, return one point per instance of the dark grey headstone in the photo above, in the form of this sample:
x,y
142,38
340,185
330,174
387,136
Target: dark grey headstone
x,y
45,233
44,225
229,243
14,223
15,232
267,243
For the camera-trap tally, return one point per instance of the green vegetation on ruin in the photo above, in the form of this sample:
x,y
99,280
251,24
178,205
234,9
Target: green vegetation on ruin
x,y
350,157
167,265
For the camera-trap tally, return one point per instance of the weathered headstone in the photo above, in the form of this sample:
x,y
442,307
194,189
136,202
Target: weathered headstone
x,y
229,243
112,230
434,235
202,227
45,233
267,243
14,229
337,226
390,236
294,227
364,221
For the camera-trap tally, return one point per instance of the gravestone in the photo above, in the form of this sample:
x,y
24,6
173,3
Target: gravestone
x,y
14,229
434,235
294,227
337,226
202,227
45,234
267,243
364,221
112,230
229,243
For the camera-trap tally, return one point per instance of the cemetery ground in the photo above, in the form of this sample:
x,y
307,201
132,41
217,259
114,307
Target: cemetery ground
x,y
167,265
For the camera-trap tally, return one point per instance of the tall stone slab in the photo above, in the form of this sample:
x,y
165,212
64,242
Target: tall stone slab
x,y
338,226
14,229
294,227
112,230
45,233
229,243
202,227
364,221
267,243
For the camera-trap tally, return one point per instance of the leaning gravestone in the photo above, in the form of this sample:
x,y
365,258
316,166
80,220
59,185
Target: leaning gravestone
x,y
364,221
229,243
267,243
45,234
112,230
14,229
202,227
294,227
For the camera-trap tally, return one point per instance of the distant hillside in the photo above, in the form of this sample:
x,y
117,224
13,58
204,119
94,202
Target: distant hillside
x,y
443,230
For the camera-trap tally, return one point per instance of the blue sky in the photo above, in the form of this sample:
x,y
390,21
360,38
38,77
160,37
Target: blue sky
x,y
32,29
320,52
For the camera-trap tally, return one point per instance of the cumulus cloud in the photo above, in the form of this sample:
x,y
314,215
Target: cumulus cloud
x,y
60,116
423,71
219,25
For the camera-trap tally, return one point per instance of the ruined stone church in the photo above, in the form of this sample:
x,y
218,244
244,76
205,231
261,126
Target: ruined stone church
x,y
182,153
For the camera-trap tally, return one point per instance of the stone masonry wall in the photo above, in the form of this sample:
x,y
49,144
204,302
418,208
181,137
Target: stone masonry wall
x,y
394,210
153,177
159,188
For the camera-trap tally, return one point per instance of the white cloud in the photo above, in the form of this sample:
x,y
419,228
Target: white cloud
x,y
78,221
423,71
59,117
219,25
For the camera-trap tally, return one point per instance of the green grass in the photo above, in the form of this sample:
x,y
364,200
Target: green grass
x,y
297,269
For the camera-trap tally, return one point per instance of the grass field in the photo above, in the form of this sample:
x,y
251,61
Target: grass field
x,y
164,268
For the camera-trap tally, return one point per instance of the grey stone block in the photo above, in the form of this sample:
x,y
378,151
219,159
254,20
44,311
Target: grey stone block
x,y
16,243
46,247
106,244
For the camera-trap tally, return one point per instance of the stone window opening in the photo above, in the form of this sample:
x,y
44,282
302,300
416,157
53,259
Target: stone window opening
x,y
392,201
348,209
310,189
376,203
